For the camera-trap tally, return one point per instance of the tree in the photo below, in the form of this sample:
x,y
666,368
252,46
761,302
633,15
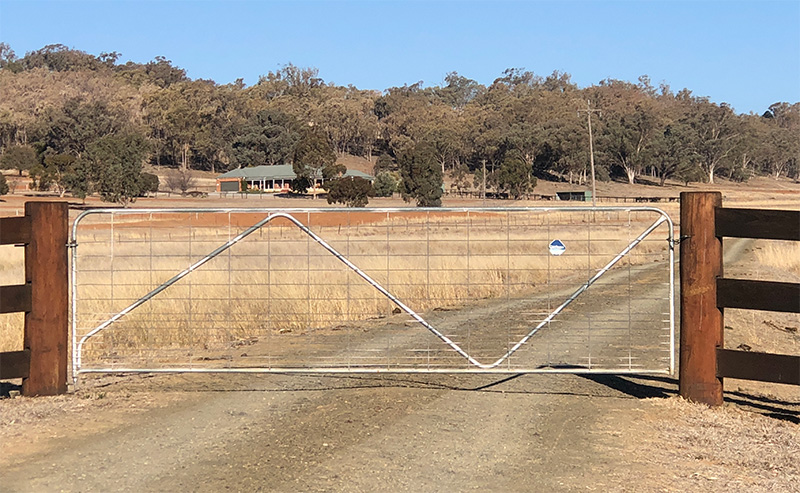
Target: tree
x,y
384,163
626,138
3,185
349,123
301,184
117,161
180,179
268,138
189,121
670,153
80,179
514,176
350,191
72,127
314,158
21,158
714,135
161,72
39,179
460,176
59,58
59,169
385,184
422,177
150,183
8,58
459,91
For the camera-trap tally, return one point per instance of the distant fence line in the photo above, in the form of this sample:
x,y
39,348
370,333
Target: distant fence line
x,y
535,196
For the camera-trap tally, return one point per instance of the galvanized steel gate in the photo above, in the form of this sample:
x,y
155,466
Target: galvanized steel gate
x,y
509,290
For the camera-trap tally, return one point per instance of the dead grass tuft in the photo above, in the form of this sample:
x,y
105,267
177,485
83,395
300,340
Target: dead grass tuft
x,y
727,448
783,255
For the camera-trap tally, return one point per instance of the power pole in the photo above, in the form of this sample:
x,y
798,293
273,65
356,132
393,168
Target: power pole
x,y
589,111
483,191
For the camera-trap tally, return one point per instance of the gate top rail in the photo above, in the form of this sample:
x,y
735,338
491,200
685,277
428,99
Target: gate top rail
x,y
370,210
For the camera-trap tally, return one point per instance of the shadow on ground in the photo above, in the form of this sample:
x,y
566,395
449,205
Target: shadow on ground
x,y
643,387
6,388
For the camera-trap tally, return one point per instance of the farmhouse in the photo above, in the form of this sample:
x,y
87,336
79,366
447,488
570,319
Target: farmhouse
x,y
276,178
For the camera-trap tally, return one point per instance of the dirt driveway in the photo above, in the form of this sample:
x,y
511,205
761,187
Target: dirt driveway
x,y
398,433
394,433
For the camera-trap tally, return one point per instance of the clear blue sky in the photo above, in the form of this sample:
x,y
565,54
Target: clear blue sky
x,y
744,53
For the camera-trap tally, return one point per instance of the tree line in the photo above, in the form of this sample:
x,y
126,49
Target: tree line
x,y
86,124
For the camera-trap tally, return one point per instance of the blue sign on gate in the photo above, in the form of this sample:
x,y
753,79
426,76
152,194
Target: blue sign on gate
x,y
557,247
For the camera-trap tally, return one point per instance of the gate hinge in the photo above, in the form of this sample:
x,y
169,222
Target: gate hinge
x,y
680,239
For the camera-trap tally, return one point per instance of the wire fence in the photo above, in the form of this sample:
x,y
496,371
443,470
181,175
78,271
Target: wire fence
x,y
348,290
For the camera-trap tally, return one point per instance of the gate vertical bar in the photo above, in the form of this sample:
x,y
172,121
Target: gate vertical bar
x,y
701,320
46,325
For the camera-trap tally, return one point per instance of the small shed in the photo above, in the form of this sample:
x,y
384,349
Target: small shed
x,y
580,196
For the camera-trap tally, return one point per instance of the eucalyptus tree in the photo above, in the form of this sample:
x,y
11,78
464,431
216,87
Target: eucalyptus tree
x,y
20,158
8,59
60,170
69,129
459,91
404,113
670,152
626,137
782,140
485,127
349,121
189,121
714,133
565,150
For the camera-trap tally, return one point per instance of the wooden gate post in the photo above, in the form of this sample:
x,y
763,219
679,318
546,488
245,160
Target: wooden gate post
x,y
701,320
47,322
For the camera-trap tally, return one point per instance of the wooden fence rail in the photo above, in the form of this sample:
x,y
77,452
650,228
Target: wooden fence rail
x,y
705,294
44,298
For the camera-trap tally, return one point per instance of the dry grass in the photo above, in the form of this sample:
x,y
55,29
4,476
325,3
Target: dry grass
x,y
278,281
783,255
11,272
723,449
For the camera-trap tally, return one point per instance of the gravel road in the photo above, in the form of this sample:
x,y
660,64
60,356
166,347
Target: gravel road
x,y
344,433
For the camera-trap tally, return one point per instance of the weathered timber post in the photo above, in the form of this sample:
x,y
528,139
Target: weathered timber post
x,y
701,320
46,324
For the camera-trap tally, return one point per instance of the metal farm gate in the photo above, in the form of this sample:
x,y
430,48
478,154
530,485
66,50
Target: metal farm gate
x,y
509,290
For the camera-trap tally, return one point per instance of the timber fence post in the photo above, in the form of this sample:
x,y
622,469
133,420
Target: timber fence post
x,y
701,320
47,322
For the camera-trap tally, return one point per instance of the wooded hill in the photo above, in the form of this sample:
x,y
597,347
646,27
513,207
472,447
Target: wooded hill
x,y
67,115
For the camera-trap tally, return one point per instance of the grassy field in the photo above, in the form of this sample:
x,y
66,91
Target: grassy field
x,y
278,281
315,291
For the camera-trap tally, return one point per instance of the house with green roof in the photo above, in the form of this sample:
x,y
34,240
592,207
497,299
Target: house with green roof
x,y
275,178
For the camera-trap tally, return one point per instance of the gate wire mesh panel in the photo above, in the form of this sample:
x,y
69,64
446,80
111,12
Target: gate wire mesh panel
x,y
403,290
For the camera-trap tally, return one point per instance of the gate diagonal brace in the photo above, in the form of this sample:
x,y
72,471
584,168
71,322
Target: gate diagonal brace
x,y
394,299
